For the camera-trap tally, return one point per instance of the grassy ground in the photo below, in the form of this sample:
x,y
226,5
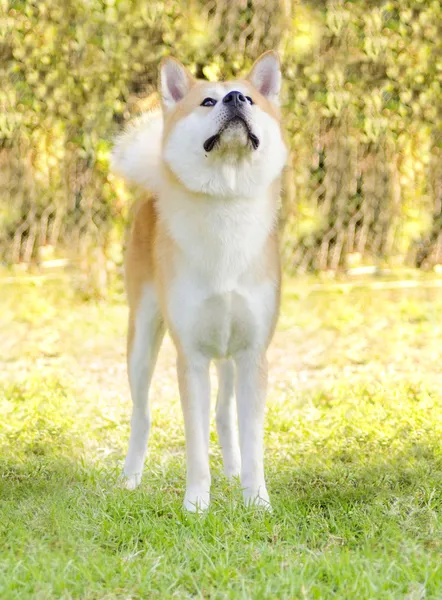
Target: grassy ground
x,y
354,462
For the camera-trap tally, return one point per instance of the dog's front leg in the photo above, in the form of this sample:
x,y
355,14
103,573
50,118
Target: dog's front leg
x,y
194,383
250,394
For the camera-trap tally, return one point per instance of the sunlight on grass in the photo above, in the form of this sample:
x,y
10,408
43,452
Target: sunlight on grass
x,y
354,460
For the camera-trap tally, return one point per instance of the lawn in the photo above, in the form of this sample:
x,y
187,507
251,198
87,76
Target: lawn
x,y
353,454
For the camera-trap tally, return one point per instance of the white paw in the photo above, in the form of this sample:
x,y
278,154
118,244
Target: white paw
x,y
196,501
257,498
129,482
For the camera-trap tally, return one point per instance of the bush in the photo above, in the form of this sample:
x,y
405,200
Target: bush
x,y
361,98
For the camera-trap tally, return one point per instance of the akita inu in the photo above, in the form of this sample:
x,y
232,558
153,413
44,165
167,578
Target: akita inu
x,y
203,262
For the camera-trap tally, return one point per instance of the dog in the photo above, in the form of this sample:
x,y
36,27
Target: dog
x,y
203,261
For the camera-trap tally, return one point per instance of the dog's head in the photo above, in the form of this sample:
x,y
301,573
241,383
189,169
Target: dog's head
x,y
223,138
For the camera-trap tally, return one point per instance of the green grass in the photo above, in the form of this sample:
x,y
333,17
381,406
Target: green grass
x,y
354,460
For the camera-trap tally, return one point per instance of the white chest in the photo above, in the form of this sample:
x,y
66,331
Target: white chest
x,y
218,237
214,303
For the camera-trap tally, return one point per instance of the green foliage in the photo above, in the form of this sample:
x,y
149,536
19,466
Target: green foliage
x,y
361,99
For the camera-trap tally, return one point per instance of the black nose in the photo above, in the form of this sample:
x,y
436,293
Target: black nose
x,y
234,98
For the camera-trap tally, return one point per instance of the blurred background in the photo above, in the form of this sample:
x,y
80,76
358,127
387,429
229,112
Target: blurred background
x,y
361,103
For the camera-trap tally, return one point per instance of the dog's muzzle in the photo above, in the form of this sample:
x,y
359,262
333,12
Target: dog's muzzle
x,y
234,113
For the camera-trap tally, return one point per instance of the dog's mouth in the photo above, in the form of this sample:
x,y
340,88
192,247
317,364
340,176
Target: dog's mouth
x,y
212,141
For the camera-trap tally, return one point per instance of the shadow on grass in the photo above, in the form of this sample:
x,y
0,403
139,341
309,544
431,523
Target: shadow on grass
x,y
324,480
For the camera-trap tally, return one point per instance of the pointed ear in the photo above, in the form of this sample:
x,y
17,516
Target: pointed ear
x,y
175,81
265,75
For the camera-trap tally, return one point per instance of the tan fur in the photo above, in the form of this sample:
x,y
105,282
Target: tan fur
x,y
149,243
152,262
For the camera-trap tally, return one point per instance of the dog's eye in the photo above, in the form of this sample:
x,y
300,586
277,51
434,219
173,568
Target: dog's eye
x,y
208,102
249,100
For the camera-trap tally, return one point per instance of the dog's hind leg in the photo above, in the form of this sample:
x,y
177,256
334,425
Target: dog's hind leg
x,y
251,385
146,332
226,417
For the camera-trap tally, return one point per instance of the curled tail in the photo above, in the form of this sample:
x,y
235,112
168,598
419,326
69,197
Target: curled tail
x,y
136,155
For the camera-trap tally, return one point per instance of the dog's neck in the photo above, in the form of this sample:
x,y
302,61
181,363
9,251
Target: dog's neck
x,y
217,235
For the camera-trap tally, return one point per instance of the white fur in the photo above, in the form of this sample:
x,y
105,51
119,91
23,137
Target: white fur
x,y
219,214
220,320
226,417
225,173
195,402
218,237
148,334
217,310
136,155
250,399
